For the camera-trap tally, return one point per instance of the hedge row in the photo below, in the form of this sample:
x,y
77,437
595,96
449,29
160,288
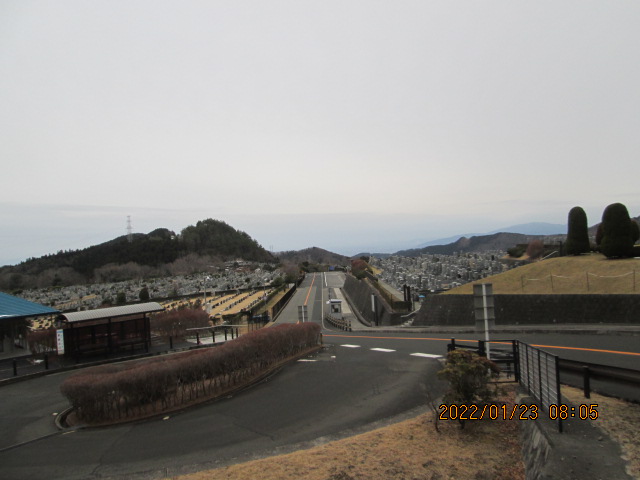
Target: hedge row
x,y
119,391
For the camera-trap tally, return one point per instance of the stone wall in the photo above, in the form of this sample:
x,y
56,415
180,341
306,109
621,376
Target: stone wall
x,y
533,309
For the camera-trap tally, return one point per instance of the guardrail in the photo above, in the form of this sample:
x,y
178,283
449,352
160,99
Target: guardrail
x,y
588,371
341,323
626,376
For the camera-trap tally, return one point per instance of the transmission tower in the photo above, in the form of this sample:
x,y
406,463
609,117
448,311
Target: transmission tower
x,y
129,229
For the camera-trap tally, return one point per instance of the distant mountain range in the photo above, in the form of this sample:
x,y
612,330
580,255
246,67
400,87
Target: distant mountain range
x,y
213,240
500,239
477,243
533,228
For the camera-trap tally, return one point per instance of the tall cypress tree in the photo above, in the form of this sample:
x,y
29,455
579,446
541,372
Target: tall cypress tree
x,y
578,233
617,234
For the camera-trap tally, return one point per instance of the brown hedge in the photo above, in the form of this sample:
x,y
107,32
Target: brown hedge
x,y
125,390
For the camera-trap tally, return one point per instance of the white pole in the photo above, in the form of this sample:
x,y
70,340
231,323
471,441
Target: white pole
x,y
486,319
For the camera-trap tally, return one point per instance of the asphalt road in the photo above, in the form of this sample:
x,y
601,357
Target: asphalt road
x,y
361,380
345,389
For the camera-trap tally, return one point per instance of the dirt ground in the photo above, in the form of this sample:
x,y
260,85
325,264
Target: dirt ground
x,y
414,450
411,450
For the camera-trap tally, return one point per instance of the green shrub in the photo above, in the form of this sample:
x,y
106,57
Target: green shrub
x,y
578,232
516,252
617,232
468,375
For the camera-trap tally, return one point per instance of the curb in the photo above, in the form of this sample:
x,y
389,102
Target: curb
x,y
61,418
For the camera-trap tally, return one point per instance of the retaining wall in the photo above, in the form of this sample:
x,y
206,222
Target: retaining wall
x,y
533,309
359,293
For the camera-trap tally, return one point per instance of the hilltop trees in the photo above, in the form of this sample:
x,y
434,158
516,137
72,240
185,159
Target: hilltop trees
x,y
535,249
617,233
578,233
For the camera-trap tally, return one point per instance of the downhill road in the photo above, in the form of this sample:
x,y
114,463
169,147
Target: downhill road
x,y
342,390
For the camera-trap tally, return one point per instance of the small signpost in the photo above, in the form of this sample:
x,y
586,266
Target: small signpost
x,y
60,341
484,311
374,308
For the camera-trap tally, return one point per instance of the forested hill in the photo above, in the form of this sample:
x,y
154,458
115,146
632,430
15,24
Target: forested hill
x,y
208,238
313,255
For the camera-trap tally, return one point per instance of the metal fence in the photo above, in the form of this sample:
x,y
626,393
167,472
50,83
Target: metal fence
x,y
540,375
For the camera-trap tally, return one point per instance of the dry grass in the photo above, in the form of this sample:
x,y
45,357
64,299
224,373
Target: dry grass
x,y
585,274
411,450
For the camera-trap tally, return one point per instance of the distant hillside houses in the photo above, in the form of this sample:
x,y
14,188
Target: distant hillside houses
x,y
434,273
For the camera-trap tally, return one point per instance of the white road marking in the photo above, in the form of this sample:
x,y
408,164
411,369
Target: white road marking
x,y
382,350
426,355
307,360
350,346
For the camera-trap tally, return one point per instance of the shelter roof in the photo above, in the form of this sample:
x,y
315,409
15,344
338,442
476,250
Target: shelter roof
x,y
113,312
14,307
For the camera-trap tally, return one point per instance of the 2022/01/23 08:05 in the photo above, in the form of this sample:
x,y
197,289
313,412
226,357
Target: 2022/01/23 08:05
x,y
517,411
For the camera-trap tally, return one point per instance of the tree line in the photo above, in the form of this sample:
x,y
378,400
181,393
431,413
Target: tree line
x,y
615,237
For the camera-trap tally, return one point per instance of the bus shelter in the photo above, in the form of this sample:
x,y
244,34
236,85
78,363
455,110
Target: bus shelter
x,y
106,330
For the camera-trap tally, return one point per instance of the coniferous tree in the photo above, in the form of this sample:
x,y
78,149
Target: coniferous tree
x,y
635,231
617,234
578,233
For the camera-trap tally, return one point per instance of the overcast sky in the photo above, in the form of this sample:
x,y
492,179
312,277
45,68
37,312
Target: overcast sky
x,y
347,125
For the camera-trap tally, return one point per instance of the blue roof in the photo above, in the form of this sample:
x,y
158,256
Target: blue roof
x,y
14,307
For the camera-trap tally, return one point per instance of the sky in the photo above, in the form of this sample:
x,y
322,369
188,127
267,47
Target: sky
x,y
347,125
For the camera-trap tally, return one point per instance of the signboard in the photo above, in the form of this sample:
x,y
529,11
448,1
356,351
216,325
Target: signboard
x,y
60,341
484,311
483,306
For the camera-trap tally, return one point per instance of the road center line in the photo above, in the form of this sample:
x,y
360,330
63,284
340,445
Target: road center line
x,y
309,291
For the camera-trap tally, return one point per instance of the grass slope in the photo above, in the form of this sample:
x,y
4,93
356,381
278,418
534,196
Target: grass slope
x,y
585,274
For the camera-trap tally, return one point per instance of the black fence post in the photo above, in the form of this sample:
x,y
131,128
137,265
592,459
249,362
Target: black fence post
x,y
516,360
197,338
452,345
558,390
225,334
46,361
15,367
170,343
586,377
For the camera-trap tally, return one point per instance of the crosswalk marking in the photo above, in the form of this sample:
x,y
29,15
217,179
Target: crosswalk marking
x,y
387,350
426,355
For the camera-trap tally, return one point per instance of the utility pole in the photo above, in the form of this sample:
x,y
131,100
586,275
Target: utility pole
x,y
129,229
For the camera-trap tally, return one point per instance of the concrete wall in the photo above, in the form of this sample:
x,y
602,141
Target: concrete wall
x,y
533,309
359,293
